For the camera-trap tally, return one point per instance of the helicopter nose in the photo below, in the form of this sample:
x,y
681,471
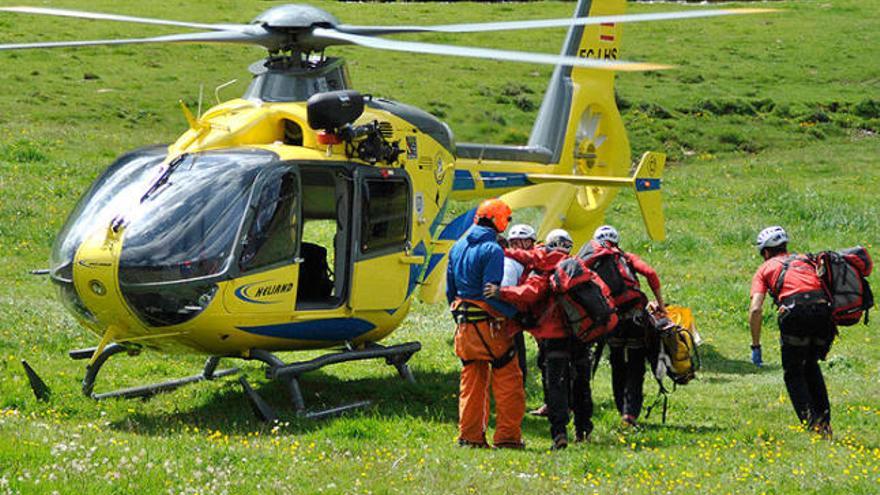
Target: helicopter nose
x,y
95,281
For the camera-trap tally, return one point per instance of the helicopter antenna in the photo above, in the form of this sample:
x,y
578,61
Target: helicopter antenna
x,y
201,95
222,86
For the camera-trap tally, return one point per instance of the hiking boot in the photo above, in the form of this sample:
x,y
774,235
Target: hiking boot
x,y
823,430
628,422
582,437
541,411
473,445
826,432
560,442
511,445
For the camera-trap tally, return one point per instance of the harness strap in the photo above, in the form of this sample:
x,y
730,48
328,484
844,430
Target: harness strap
x,y
817,297
505,359
801,341
497,362
662,395
469,313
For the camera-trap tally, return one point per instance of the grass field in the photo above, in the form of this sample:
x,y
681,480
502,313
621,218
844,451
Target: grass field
x,y
767,120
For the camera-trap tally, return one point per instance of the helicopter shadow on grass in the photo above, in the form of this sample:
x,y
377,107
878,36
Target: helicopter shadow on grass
x,y
433,397
713,361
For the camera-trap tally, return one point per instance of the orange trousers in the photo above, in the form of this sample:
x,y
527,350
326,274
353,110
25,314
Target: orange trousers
x,y
476,377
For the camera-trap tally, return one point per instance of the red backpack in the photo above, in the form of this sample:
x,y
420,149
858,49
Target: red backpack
x,y
609,262
585,300
804,263
843,273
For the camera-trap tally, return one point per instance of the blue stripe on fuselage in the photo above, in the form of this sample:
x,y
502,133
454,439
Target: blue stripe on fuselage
x,y
464,181
497,180
333,329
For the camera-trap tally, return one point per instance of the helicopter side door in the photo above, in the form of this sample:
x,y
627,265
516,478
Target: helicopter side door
x,y
382,273
267,253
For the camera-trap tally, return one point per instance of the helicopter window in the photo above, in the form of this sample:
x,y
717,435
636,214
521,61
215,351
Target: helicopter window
x,y
293,133
283,87
385,220
272,236
115,192
187,229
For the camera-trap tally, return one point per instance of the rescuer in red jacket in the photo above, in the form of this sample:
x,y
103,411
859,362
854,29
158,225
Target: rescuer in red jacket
x,y
629,343
566,359
805,325
521,236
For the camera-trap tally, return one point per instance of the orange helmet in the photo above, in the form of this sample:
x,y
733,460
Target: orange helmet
x,y
496,211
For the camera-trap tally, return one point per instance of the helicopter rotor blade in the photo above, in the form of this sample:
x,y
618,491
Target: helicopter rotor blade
x,y
546,23
258,36
323,34
123,18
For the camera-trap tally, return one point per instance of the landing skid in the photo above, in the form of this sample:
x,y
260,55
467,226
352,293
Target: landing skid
x,y
289,373
210,372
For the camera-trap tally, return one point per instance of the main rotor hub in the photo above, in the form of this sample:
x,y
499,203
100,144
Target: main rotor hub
x,y
295,17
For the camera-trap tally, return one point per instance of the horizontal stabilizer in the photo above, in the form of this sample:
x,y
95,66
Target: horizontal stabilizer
x,y
646,182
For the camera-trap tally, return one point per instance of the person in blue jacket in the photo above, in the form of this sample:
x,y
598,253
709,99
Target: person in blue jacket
x,y
482,341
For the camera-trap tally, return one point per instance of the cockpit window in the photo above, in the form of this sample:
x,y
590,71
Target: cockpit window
x,y
271,238
117,190
185,228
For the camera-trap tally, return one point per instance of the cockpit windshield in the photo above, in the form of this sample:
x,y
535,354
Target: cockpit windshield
x,y
116,191
187,222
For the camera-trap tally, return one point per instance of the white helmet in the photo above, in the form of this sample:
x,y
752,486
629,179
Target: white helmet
x,y
558,238
522,231
607,233
771,237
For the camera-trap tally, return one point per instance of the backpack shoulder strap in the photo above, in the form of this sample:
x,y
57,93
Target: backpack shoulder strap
x,y
777,288
587,250
625,260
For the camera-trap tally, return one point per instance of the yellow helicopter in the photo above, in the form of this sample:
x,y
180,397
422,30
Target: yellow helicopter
x,y
208,245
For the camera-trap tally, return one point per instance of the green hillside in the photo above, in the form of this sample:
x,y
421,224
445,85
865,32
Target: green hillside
x,y
767,120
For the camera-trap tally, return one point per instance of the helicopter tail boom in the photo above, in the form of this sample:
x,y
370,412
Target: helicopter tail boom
x,y
578,129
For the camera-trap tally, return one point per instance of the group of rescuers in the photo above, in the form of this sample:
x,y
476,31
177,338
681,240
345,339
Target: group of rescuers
x,y
499,287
